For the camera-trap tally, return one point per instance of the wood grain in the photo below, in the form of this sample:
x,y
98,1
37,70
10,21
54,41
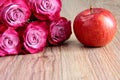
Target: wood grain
x,y
70,61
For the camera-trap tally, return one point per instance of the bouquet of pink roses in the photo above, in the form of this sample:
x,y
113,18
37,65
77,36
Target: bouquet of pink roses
x,y
29,25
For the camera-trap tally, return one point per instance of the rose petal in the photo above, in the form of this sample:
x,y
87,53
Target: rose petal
x,y
2,53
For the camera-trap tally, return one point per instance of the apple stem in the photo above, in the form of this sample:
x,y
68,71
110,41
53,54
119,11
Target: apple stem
x,y
91,9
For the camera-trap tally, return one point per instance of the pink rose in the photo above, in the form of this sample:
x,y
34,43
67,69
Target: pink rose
x,y
60,31
14,13
35,36
46,9
9,41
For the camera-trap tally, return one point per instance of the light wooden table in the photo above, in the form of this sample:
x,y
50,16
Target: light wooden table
x,y
70,61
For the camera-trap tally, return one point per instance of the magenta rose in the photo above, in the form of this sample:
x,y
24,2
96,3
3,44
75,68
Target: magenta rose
x,y
46,9
60,30
35,36
9,42
14,13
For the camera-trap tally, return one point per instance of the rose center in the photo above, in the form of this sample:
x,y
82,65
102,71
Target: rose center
x,y
33,38
14,14
46,5
9,43
58,33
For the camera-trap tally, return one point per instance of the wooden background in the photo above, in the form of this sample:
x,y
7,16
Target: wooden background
x,y
70,61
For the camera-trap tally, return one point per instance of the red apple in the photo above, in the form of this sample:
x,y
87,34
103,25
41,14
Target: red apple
x,y
95,27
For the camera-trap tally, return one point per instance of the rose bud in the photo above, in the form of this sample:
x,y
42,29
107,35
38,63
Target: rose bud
x,y
46,9
35,36
14,13
60,31
10,41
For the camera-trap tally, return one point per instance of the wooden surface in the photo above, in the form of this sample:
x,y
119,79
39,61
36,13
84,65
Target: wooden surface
x,y
70,61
